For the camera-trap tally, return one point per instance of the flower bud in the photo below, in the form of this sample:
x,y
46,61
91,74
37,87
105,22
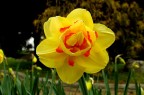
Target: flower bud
x,y
38,68
12,73
89,83
135,65
122,60
34,60
1,56
1,75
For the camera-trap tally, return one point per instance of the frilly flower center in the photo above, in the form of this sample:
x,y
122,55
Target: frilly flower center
x,y
75,40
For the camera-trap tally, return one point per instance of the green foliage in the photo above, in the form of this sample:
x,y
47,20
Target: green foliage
x,y
125,18
34,82
14,63
31,84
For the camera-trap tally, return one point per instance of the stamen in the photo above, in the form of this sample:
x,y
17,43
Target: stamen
x,y
70,62
59,50
66,38
63,29
76,21
83,45
89,37
96,34
87,53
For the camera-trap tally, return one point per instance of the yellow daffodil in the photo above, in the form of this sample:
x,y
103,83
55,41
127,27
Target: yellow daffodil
x,y
89,83
1,56
34,59
74,45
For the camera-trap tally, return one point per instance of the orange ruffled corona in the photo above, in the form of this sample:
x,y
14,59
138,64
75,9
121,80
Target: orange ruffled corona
x,y
74,45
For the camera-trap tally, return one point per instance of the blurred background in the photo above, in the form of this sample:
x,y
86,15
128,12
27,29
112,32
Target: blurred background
x,y
22,24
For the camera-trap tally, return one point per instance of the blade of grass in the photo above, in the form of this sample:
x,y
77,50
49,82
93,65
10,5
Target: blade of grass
x,y
82,85
57,87
97,91
26,83
139,91
136,84
35,86
18,86
116,78
127,83
106,83
46,85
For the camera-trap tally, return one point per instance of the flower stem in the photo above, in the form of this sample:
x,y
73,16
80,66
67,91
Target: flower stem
x,y
82,85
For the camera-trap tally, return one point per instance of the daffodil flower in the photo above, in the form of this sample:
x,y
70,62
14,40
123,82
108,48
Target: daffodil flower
x,y
89,83
1,56
74,45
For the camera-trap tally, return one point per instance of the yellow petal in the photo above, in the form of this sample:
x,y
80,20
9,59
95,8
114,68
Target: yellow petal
x,y
46,51
106,36
70,74
54,24
52,60
81,14
96,61
1,55
48,45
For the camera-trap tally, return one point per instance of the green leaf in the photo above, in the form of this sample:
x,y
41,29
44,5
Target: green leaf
x,y
127,83
116,77
82,86
26,83
106,83
35,85
18,85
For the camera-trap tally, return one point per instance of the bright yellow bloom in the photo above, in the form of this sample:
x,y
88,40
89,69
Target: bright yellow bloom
x,y
1,56
34,59
89,83
74,45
